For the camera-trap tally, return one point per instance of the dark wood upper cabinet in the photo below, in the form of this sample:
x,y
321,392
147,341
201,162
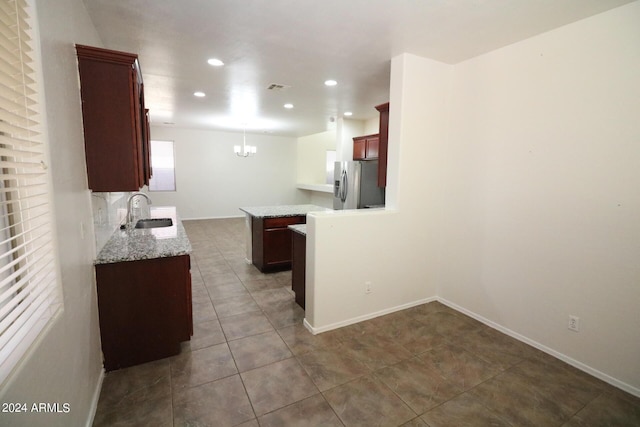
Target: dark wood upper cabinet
x,y
383,143
116,130
365,147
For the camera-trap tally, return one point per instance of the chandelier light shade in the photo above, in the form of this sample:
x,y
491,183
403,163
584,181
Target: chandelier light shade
x,y
244,150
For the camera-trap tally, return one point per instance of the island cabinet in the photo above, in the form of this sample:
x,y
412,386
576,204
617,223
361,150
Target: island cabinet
x,y
115,121
366,147
144,308
271,248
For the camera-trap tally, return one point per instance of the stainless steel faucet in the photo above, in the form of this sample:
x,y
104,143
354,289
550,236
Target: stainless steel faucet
x,y
130,205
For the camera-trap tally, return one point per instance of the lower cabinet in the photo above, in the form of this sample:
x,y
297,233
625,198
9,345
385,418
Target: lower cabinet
x,y
144,308
298,266
271,242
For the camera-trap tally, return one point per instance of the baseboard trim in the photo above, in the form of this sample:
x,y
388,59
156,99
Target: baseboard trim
x,y
362,318
575,363
96,397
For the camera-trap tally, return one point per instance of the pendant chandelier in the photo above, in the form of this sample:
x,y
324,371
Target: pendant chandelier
x,y
245,150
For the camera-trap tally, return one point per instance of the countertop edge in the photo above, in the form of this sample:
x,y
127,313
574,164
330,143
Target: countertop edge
x,y
282,211
138,245
299,228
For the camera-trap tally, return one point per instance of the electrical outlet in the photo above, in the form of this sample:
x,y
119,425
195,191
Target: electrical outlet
x,y
367,287
574,323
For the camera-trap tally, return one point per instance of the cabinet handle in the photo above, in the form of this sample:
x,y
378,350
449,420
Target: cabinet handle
x,y
345,181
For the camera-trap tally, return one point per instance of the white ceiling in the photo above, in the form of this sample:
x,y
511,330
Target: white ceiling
x,y
302,43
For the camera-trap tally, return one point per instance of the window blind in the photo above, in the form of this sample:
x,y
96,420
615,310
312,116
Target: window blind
x,y
29,288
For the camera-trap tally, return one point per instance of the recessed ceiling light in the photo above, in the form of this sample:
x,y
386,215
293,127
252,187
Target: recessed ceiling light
x,y
348,113
289,106
215,62
330,83
199,94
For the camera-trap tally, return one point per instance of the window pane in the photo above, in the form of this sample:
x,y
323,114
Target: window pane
x,y
331,162
163,166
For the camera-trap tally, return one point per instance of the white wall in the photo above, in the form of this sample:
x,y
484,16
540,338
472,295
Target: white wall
x,y
512,194
311,156
212,182
66,364
372,126
346,130
396,249
543,200
320,199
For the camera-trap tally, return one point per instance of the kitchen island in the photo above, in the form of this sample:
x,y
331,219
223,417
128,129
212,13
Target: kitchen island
x,y
268,235
144,292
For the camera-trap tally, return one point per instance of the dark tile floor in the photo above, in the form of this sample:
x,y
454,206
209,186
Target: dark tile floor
x,y
252,363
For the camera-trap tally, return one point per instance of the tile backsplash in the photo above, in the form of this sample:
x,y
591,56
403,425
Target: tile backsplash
x,y
109,211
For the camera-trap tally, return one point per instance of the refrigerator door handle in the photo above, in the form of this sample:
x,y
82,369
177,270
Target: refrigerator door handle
x,y
343,185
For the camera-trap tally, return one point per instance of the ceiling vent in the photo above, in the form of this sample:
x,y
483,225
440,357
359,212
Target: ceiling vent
x,y
276,87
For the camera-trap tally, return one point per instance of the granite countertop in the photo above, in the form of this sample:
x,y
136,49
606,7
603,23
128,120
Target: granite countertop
x,y
299,228
138,244
282,211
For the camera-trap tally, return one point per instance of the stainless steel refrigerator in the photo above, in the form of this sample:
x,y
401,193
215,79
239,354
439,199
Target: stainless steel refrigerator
x,y
356,185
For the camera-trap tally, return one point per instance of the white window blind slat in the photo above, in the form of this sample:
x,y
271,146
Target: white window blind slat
x,y
9,128
8,94
16,91
28,165
9,105
31,239
32,190
33,285
29,289
30,311
14,296
19,151
34,239
10,62
8,9
17,143
21,116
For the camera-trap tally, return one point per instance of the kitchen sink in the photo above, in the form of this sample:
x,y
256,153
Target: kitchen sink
x,y
154,223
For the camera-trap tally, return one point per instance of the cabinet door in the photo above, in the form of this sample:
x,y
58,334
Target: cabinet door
x,y
139,125
277,242
113,119
372,147
144,309
359,148
147,148
271,242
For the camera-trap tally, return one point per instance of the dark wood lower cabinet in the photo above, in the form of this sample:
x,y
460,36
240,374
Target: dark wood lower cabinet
x,y
298,266
271,242
144,308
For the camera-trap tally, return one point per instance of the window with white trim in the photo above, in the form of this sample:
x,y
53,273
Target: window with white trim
x,y
163,166
30,293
